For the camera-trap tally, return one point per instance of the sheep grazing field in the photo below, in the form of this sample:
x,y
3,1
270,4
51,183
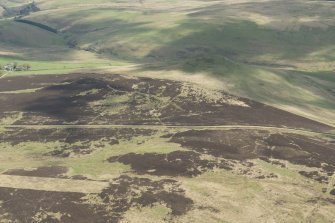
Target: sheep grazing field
x,y
167,111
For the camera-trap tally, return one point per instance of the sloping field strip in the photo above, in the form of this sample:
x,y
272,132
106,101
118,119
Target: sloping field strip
x,y
194,127
52,184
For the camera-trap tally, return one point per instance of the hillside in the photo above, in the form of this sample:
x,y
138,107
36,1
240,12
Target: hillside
x,y
167,111
264,50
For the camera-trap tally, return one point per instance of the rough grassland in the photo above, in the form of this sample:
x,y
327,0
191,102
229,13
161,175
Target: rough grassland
x,y
168,111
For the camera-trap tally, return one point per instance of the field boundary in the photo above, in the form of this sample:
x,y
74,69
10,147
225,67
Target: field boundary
x,y
38,25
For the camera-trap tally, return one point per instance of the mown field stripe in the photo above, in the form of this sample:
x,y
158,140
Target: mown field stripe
x,y
52,184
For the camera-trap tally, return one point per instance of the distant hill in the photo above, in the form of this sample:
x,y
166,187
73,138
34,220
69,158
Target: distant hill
x,y
264,50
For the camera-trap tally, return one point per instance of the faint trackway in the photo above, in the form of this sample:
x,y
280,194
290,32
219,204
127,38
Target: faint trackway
x,y
52,184
193,127
3,75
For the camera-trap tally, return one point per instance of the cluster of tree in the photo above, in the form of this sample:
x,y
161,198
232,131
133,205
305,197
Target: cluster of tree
x,y
19,11
15,67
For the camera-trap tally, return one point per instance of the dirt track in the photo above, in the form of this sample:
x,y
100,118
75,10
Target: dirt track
x,y
195,127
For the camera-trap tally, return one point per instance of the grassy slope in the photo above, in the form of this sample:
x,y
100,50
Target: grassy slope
x,y
264,50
